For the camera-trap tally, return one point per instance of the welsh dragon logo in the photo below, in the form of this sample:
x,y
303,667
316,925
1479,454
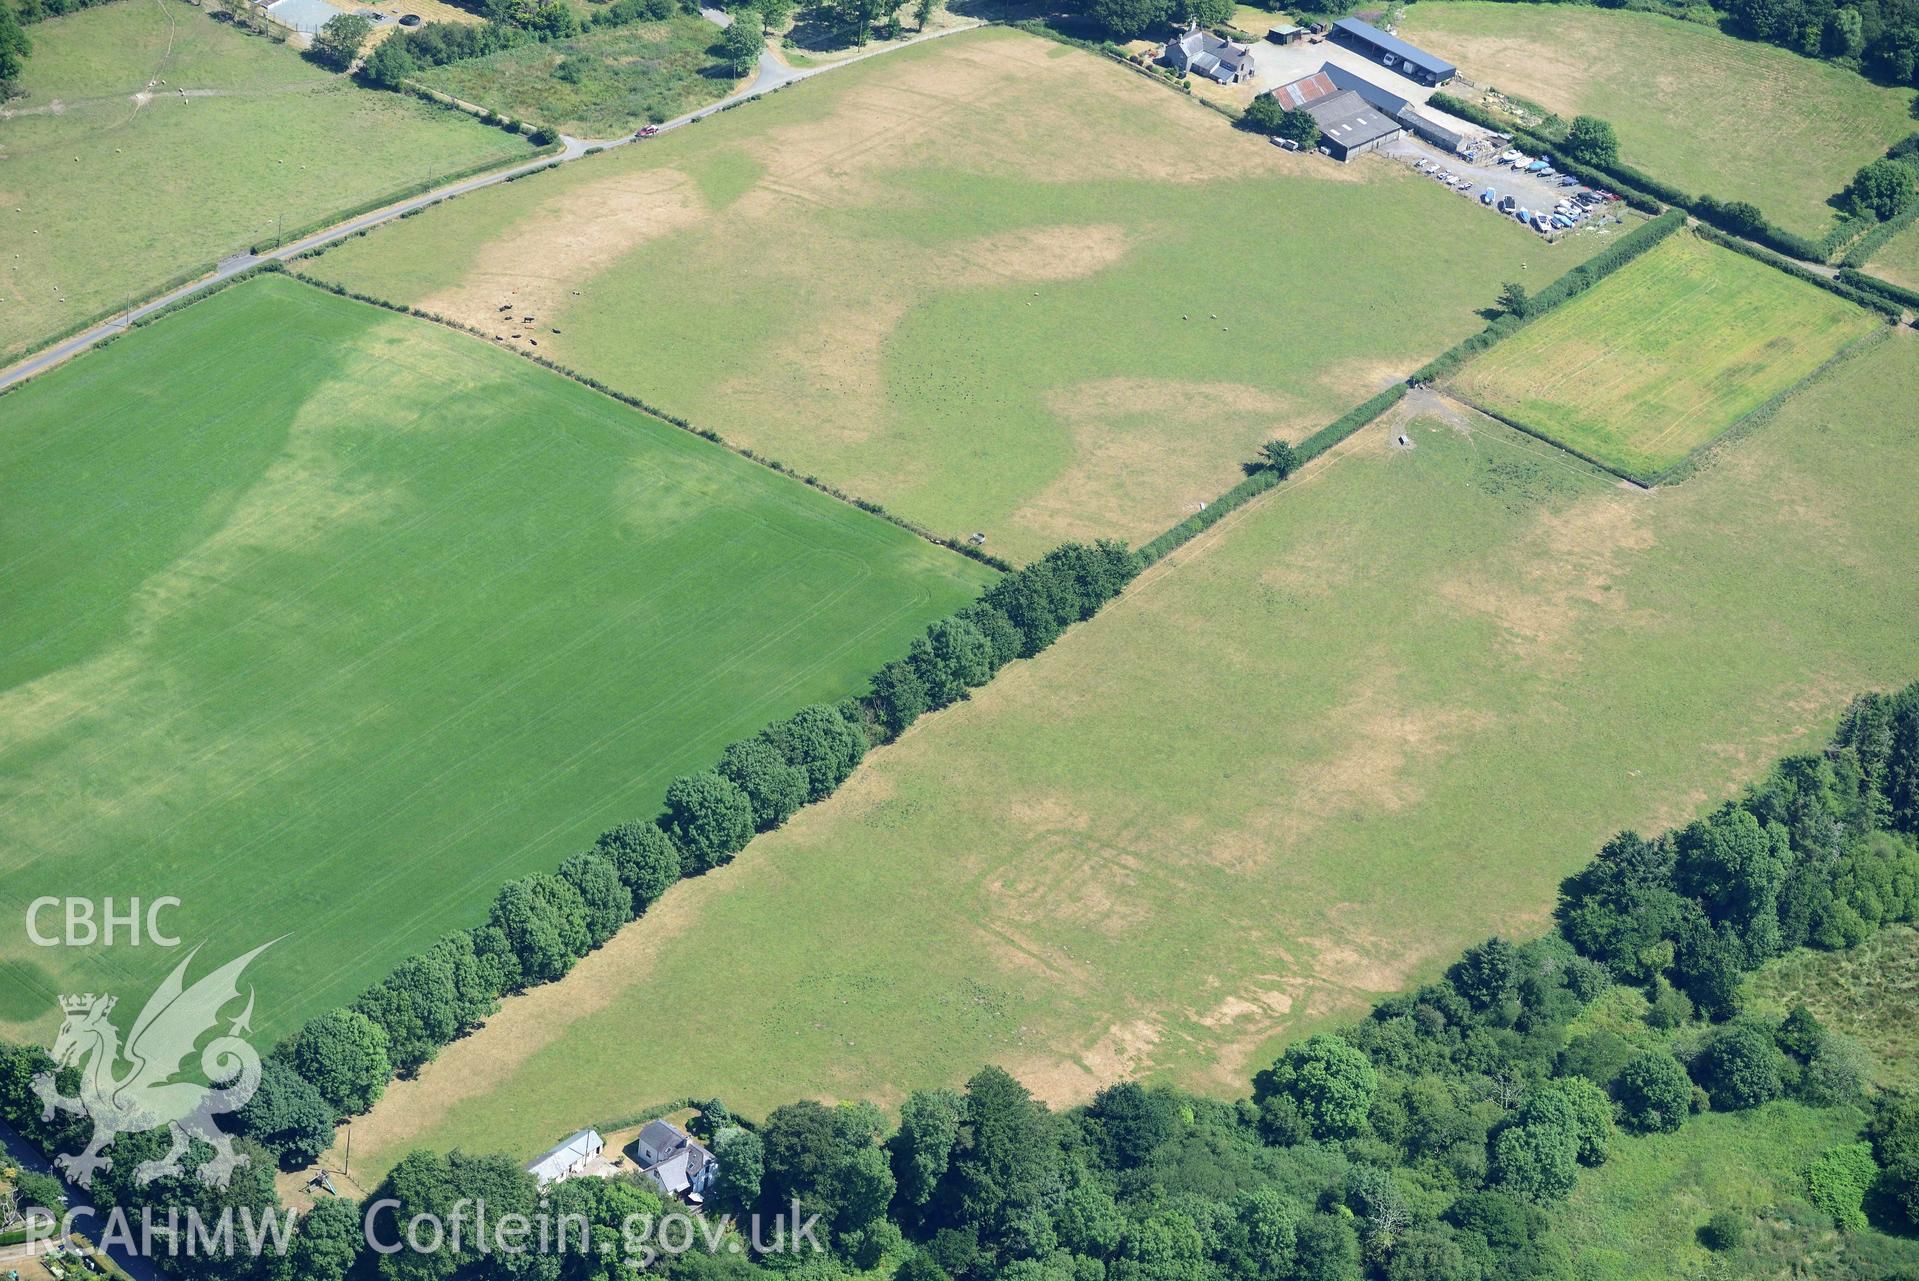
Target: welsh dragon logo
x,y
149,1092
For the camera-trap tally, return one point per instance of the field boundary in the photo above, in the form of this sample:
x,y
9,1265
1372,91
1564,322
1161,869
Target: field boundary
x,y
1685,466
280,239
1643,189
1763,413
634,402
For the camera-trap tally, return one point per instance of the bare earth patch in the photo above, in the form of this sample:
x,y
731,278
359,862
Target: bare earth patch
x,y
1041,253
569,238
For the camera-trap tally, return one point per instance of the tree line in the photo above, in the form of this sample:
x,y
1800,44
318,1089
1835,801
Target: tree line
x,y
1430,1141
540,925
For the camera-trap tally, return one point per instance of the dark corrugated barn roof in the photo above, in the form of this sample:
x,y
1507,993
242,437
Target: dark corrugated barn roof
x,y
1432,65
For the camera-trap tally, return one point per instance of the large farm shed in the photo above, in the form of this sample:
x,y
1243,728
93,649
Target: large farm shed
x,y
1351,126
1390,51
1331,83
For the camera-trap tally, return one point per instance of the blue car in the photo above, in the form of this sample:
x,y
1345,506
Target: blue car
x,y
1487,196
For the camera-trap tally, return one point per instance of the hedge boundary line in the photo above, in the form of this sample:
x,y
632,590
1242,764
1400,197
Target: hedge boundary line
x,y
1866,284
1764,412
1602,264
711,815
1641,188
1560,291
150,292
1873,241
280,241
1266,478
101,317
651,411
1872,302
1540,434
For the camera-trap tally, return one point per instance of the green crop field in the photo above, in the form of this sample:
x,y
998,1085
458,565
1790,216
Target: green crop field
x,y
1701,110
1898,259
112,183
1663,355
994,283
1372,718
329,621
600,85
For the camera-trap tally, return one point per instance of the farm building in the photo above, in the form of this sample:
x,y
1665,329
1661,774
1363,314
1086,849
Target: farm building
x,y
1390,51
676,1162
1289,33
1332,79
1201,53
304,16
1351,126
568,1159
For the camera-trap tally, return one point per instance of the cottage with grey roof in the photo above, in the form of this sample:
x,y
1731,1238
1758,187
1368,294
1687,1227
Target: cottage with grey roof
x,y
1201,53
678,1164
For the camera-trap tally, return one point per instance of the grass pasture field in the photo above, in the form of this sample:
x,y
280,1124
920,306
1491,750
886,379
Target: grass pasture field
x,y
1660,357
329,621
1898,259
1371,718
112,183
1705,111
995,283
599,85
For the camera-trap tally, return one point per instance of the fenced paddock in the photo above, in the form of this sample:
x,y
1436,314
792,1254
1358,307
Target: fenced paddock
x,y
1664,355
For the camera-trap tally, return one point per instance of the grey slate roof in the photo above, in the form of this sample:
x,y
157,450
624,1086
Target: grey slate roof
x,y
1207,54
1350,120
661,1136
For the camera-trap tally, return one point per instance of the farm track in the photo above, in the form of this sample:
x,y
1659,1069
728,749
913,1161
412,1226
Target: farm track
x,y
773,74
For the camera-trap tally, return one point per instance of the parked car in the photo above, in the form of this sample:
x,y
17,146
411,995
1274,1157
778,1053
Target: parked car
x,y
1285,144
1568,180
1507,204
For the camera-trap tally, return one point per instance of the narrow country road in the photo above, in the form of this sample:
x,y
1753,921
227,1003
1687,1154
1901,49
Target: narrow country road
x,y
773,74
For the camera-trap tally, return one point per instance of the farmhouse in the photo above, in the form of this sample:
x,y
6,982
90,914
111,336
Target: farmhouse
x,y
1390,51
568,1159
677,1163
1201,53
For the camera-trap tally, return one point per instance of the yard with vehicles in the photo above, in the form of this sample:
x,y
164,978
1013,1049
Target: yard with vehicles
x,y
1659,358
1693,107
152,141
934,281
1374,715
601,84
329,622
